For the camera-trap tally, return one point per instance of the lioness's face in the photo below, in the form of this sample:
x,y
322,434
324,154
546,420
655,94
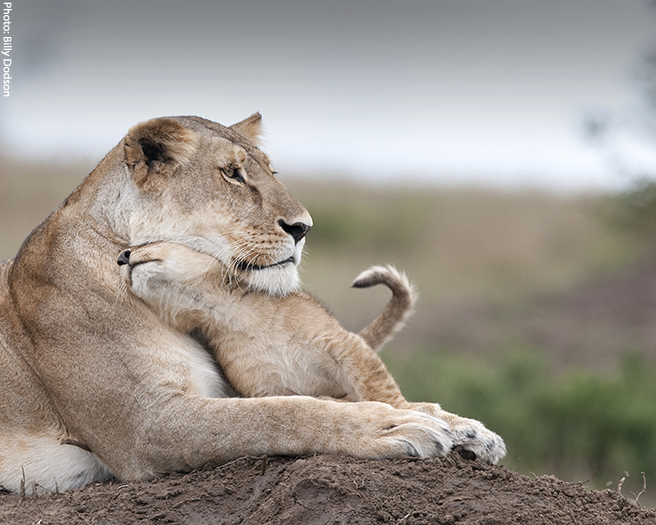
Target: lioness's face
x,y
207,187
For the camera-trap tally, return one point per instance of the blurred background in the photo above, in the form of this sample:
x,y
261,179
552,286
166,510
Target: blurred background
x,y
502,153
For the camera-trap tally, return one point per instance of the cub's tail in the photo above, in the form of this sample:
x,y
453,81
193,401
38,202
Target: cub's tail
x,y
396,311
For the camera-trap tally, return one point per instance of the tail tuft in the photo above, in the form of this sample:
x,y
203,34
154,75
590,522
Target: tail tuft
x,y
387,275
396,312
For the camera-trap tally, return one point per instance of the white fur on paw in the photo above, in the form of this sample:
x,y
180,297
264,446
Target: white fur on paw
x,y
471,436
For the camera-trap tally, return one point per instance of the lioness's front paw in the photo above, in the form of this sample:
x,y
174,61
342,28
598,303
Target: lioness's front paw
x,y
390,433
421,438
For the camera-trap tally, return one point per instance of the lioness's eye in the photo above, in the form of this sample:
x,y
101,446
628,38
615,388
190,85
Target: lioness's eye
x,y
233,175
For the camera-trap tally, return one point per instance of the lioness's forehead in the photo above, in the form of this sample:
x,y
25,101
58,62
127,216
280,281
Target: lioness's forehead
x,y
211,129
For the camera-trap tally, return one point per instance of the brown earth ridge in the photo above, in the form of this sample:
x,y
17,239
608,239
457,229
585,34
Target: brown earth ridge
x,y
321,490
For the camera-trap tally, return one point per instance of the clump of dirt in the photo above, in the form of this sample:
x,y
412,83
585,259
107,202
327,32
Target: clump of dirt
x,y
321,490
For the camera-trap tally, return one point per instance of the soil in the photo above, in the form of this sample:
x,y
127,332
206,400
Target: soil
x,y
321,490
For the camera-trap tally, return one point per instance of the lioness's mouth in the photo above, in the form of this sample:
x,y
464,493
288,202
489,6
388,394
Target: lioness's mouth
x,y
246,267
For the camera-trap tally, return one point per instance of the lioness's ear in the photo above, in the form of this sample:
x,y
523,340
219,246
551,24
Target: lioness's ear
x,y
157,146
250,128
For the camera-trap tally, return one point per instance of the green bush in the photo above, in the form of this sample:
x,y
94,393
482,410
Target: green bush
x,y
635,209
572,426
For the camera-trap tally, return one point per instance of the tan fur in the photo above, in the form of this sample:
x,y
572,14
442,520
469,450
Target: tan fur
x,y
396,311
94,383
250,128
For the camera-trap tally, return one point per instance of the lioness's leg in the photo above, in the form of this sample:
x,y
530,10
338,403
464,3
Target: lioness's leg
x,y
35,454
216,430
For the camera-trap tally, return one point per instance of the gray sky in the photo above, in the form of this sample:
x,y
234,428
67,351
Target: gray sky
x,y
458,91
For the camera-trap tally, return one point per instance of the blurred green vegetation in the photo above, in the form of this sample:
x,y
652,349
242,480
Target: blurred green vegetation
x,y
634,209
571,425
457,242
392,225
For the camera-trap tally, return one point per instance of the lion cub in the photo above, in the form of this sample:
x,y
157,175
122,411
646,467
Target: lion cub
x,y
271,345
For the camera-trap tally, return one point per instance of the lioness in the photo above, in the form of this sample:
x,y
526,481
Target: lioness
x,y
95,383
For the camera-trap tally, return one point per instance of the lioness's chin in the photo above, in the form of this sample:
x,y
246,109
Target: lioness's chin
x,y
277,280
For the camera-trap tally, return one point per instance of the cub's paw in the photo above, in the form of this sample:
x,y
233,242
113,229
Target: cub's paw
x,y
473,441
163,262
470,437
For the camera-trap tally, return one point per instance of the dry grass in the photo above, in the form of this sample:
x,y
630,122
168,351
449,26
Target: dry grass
x,y
459,246
29,192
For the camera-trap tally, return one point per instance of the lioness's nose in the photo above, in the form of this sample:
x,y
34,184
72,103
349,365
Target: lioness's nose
x,y
124,258
298,230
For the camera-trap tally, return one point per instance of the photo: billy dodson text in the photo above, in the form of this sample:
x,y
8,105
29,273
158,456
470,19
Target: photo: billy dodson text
x,y
6,48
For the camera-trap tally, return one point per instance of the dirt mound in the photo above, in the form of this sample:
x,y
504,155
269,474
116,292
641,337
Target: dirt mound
x,y
333,489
